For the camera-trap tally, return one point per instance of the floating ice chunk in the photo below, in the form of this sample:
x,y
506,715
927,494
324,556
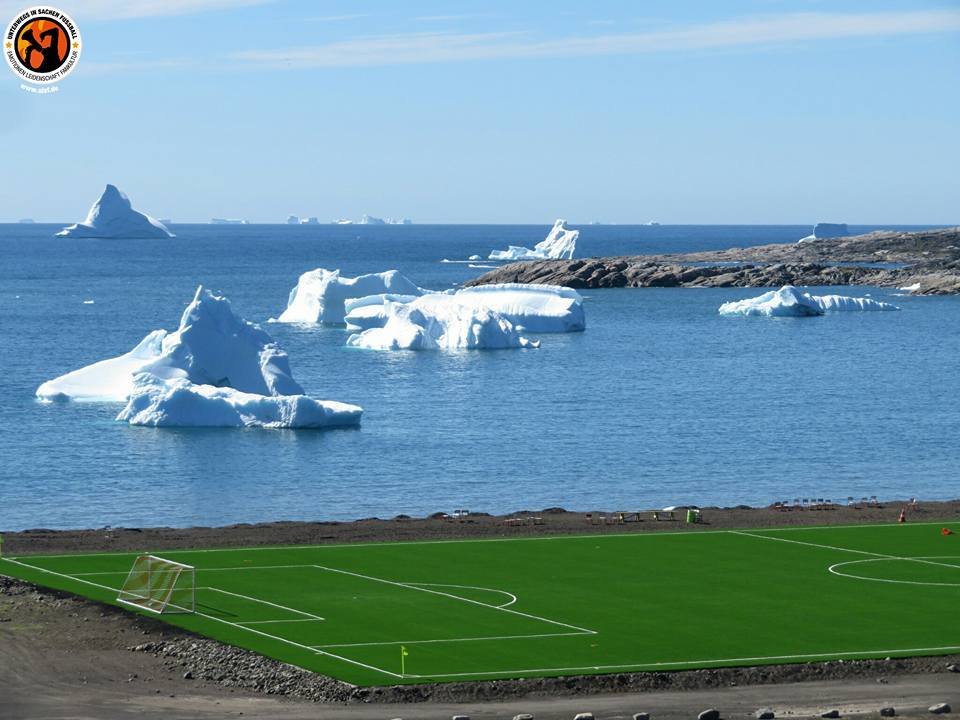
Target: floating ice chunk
x,y
88,302
788,301
534,308
212,346
474,257
560,244
842,303
112,216
108,380
320,294
293,219
370,220
370,311
910,288
438,322
180,403
216,369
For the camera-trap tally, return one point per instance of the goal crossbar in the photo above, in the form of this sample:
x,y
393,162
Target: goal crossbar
x,y
159,585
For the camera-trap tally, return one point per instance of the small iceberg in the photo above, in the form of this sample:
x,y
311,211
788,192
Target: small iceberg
x,y
320,294
228,221
293,220
112,216
370,220
532,308
438,322
826,230
560,244
216,369
788,301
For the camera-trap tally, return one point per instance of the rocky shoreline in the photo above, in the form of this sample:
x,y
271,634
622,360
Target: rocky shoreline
x,y
927,262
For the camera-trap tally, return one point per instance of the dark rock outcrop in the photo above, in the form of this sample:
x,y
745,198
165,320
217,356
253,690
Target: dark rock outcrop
x,y
930,259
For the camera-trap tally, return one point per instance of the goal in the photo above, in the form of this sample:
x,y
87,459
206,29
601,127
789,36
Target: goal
x,y
160,586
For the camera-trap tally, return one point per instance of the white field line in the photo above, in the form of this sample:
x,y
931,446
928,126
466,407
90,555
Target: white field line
x,y
265,602
450,640
513,598
682,663
225,622
206,569
526,538
883,556
274,622
461,599
833,569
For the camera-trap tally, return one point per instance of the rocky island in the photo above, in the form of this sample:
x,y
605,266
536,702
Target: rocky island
x,y
926,262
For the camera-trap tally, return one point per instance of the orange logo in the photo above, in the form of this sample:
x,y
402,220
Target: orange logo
x,y
42,45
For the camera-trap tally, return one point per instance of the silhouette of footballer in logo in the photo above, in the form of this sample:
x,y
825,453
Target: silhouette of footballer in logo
x,y
42,45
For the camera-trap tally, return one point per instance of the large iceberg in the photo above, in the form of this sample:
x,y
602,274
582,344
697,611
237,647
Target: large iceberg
x,y
215,369
826,230
320,294
560,244
530,308
112,216
438,322
788,301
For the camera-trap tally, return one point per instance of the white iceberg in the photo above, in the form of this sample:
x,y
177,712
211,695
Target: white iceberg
x,y
108,380
370,220
788,301
560,244
181,403
112,216
293,219
436,322
320,294
826,230
371,311
530,308
228,221
215,369
312,220
474,257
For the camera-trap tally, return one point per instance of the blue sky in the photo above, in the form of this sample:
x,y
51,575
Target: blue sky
x,y
746,111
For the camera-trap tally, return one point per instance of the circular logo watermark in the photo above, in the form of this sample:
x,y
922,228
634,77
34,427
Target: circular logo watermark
x,y
42,45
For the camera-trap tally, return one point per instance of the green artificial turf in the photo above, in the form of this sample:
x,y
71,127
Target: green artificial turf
x,y
485,609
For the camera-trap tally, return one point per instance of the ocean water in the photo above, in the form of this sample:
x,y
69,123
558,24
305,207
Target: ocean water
x,y
661,401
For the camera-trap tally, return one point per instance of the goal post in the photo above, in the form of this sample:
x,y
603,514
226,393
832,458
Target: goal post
x,y
160,586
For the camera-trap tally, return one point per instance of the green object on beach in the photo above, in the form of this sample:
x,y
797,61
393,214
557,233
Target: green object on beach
x,y
524,607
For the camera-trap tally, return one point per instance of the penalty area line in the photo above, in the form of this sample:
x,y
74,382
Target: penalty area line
x,y
254,631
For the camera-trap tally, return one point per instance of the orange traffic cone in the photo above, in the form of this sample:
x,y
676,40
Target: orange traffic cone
x,y
903,516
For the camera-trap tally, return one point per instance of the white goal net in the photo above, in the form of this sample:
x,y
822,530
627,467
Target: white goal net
x,y
160,586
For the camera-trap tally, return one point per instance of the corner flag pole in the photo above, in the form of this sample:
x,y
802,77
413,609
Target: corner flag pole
x,y
403,660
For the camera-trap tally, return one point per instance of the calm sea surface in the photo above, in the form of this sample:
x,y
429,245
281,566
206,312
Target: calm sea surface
x,y
661,401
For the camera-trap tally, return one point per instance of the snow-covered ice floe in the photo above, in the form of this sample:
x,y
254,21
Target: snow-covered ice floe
x,y
910,288
530,308
560,244
788,301
112,216
215,369
320,294
439,322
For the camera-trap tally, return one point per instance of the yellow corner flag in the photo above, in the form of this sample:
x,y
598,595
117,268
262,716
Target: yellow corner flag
x,y
403,660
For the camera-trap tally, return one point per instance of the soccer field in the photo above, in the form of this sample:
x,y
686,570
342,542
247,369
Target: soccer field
x,y
486,609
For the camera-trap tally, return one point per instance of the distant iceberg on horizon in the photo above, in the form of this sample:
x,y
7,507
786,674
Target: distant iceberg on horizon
x,y
826,230
215,370
789,301
560,244
112,216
